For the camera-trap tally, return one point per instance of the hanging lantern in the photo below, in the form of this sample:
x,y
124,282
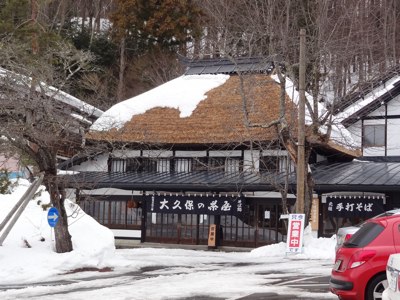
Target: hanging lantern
x,y
132,204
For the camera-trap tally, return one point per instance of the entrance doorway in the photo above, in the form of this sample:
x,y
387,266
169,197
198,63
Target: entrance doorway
x,y
260,226
178,228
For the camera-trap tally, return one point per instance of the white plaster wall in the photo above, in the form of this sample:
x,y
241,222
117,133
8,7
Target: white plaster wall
x,y
110,191
393,137
124,233
99,163
355,132
126,153
71,193
231,153
394,106
190,153
251,160
157,153
380,112
374,122
393,132
374,151
277,152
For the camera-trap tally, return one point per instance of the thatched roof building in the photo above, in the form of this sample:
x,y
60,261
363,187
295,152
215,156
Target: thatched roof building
x,y
225,115
217,102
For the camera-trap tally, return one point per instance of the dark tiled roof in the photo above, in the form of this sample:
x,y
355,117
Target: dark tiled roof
x,y
351,176
365,88
380,158
227,66
358,176
374,105
62,102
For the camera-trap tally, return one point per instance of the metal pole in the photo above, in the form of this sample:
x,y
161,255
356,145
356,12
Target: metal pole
x,y
301,126
13,210
24,200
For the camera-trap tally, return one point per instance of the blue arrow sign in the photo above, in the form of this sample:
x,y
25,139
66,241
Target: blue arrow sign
x,y
53,216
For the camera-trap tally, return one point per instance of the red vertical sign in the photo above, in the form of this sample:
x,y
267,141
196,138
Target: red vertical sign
x,y
295,233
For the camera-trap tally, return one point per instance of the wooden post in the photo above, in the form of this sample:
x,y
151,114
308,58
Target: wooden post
x,y
301,163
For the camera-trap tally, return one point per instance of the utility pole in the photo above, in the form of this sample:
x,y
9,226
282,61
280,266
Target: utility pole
x,y
301,163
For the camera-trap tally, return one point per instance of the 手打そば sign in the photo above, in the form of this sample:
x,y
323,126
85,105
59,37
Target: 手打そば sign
x,y
354,207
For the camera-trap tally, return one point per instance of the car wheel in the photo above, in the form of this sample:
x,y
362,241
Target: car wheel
x,y
376,287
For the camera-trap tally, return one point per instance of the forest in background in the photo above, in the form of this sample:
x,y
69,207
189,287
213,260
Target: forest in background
x,y
105,51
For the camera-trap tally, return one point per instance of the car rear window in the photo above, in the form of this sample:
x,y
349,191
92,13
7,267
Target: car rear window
x,y
365,235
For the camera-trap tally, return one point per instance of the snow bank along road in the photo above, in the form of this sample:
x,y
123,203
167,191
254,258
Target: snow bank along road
x,y
182,274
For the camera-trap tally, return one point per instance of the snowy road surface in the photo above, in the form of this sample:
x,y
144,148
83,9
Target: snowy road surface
x,y
31,269
150,273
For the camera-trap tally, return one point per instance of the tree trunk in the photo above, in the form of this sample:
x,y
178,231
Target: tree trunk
x,y
83,15
309,186
46,161
62,14
394,32
122,66
34,13
57,197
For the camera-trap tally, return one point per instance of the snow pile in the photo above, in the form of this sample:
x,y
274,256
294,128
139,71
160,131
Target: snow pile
x,y
92,242
317,248
94,247
314,248
183,93
28,251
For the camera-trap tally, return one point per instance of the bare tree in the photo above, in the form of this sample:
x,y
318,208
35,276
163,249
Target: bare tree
x,y
348,42
39,119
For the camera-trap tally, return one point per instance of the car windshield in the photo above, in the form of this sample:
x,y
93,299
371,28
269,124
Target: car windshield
x,y
384,214
388,213
365,235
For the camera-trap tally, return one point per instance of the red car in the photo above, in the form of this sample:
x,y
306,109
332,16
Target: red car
x,y
359,272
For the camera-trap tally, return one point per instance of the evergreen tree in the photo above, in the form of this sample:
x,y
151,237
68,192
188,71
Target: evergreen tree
x,y
144,28
33,54
5,182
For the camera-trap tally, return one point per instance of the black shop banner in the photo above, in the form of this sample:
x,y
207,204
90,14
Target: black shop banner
x,y
196,204
354,207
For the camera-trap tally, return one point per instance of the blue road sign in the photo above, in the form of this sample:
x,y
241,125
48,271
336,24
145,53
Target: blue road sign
x,y
53,216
